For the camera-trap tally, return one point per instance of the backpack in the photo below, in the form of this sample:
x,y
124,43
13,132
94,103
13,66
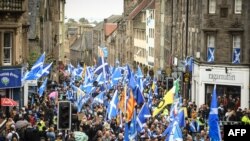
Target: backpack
x,y
14,136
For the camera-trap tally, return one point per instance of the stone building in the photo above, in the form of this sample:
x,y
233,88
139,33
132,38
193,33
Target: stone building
x,y
13,47
81,49
46,19
215,33
104,35
13,32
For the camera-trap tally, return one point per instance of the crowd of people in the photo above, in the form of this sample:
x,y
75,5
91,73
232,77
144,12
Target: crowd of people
x,y
38,120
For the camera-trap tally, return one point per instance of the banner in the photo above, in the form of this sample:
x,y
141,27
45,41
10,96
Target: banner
x,y
10,77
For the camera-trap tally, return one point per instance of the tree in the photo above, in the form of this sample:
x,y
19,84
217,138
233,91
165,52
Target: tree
x,y
71,20
83,21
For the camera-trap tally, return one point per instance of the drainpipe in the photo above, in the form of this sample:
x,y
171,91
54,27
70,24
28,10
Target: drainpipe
x,y
187,10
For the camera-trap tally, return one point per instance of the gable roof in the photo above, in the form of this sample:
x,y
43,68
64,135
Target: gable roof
x,y
138,9
110,28
151,5
111,19
83,42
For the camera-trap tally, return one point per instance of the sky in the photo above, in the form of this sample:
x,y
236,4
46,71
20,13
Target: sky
x,y
92,9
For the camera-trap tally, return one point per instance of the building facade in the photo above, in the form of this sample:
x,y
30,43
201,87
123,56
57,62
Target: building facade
x,y
13,47
212,32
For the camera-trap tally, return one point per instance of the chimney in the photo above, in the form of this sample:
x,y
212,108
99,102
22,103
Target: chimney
x,y
104,27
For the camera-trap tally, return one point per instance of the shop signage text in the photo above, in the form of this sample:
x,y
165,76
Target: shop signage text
x,y
10,78
221,77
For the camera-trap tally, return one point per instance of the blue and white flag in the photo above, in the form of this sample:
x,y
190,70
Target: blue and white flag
x,y
150,99
138,95
99,98
189,63
116,76
36,69
132,128
100,79
213,119
38,64
139,72
70,68
236,55
42,87
177,133
132,83
46,70
113,108
103,51
142,117
102,67
210,54
181,118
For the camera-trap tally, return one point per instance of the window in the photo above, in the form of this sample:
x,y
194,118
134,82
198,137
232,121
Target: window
x,y
236,49
237,6
212,6
210,48
7,47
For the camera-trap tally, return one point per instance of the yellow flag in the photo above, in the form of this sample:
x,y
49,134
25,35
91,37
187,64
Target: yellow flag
x,y
167,99
185,111
84,70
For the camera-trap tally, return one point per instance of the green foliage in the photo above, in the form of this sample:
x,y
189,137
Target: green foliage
x,y
33,56
83,21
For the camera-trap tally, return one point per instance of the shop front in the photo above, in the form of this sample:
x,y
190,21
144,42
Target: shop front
x,y
232,84
10,85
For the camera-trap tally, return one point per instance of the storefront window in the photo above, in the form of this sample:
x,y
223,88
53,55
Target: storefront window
x,y
227,95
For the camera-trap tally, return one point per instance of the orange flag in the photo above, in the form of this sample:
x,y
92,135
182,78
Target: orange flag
x,y
121,104
130,106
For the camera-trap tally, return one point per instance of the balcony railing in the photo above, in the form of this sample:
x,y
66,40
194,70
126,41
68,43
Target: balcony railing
x,y
11,5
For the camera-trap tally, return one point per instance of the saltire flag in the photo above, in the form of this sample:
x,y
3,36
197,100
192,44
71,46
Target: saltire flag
x,y
126,132
36,69
189,63
131,80
38,64
88,88
140,84
132,128
210,54
139,73
70,68
150,99
236,55
102,66
213,119
116,76
103,51
176,133
167,99
69,94
99,98
100,79
112,108
142,117
131,103
79,92
181,118
46,70
138,95
42,87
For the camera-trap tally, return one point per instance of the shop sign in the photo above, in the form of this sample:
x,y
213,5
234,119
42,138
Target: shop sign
x,y
221,77
10,78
